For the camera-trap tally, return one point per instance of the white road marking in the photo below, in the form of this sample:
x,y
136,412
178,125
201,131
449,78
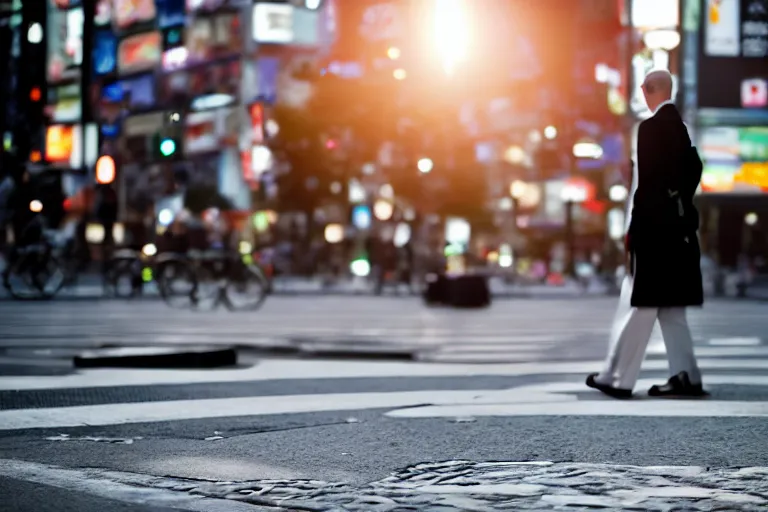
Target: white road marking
x,y
730,342
322,369
542,400
719,351
118,414
84,481
555,398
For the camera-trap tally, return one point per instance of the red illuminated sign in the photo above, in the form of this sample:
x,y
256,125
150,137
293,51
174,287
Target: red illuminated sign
x,y
257,123
754,93
140,52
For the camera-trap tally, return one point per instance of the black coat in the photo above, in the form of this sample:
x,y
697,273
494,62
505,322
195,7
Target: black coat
x,y
663,238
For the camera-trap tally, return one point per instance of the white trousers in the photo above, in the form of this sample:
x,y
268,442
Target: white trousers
x,y
630,333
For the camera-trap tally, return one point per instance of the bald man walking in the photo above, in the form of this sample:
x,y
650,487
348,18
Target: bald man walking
x,y
664,259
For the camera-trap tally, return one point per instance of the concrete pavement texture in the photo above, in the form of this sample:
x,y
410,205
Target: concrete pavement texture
x,y
491,412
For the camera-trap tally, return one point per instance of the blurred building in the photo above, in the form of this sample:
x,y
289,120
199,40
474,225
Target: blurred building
x,y
179,90
725,96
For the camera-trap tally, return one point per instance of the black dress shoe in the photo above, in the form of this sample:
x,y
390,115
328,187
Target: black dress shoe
x,y
608,390
678,386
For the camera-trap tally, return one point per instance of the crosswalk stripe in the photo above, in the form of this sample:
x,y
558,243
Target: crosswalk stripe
x,y
704,351
535,399
329,369
147,412
729,342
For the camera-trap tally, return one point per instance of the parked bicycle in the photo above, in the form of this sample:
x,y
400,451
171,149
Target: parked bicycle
x,y
39,271
215,277
129,271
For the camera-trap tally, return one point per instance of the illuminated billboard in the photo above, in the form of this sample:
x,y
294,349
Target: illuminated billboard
x,y
130,12
104,52
735,159
273,23
733,47
140,52
59,143
65,48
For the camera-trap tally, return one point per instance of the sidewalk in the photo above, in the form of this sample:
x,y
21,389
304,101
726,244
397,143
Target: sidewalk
x,y
90,286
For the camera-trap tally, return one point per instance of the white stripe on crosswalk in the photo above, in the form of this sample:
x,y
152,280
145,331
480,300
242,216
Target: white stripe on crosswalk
x,y
730,342
717,351
539,399
147,412
559,399
329,369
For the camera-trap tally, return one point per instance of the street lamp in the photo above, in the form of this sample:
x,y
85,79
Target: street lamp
x,y
517,189
618,193
666,40
393,53
425,165
661,42
399,74
550,132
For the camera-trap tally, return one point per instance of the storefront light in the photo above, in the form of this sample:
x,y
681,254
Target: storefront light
x,y
518,188
402,235
425,165
514,155
212,101
165,217
662,39
383,210
261,159
272,23
334,233
618,193
175,58
587,150
655,13
572,193
35,33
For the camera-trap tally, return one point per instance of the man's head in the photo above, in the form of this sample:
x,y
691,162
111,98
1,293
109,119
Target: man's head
x,y
657,88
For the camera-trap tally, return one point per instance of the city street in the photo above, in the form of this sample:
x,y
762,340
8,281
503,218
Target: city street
x,y
370,404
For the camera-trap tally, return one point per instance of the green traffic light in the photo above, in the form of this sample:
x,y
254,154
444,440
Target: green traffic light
x,y
167,147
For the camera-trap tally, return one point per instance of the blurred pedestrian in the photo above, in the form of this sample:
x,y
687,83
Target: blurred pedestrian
x,y
664,259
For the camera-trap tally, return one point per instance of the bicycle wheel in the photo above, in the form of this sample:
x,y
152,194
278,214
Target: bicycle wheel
x,y
35,276
246,289
122,278
176,282
19,282
50,277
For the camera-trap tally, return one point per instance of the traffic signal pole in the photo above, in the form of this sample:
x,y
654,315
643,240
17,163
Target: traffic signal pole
x,y
86,77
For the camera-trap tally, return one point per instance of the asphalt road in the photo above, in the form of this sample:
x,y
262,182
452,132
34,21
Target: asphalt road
x,y
428,409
